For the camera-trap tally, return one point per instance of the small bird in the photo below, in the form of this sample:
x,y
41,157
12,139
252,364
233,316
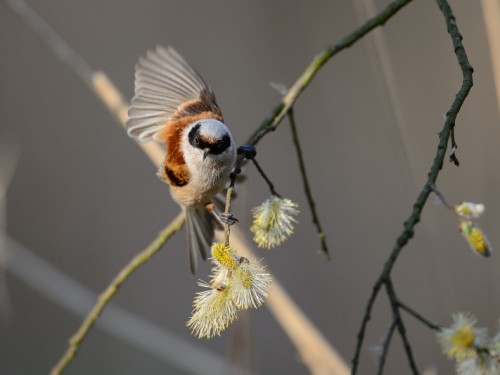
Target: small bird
x,y
175,107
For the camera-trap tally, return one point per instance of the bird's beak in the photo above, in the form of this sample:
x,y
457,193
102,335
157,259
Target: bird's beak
x,y
205,153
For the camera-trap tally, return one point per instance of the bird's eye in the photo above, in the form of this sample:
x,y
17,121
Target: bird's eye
x,y
194,136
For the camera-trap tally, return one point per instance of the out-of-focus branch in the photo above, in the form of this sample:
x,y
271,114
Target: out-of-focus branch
x,y
118,106
9,156
112,289
418,206
491,14
280,111
57,44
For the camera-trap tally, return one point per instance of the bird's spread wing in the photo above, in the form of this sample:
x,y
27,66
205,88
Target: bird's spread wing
x,y
167,89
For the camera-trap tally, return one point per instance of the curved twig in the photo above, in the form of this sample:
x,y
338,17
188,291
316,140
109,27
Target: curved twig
x,y
307,188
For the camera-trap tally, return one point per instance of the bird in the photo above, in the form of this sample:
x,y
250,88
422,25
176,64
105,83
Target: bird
x,y
175,107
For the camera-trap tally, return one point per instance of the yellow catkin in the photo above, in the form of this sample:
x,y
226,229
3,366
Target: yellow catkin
x,y
476,239
224,256
245,277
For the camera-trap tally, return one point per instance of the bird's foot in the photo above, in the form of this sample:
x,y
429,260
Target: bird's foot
x,y
226,218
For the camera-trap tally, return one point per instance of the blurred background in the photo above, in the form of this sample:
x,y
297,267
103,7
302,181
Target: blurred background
x,y
83,199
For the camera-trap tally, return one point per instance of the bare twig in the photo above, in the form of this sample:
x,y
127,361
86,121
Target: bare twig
x,y
264,176
305,180
432,176
441,198
395,322
400,325
227,210
385,346
419,317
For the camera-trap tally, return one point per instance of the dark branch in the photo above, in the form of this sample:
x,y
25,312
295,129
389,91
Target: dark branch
x,y
385,347
307,188
400,325
264,176
441,198
419,317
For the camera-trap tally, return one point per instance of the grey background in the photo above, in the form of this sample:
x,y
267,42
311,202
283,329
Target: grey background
x,y
86,199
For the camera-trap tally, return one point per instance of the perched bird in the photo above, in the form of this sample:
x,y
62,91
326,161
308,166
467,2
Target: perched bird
x,y
175,107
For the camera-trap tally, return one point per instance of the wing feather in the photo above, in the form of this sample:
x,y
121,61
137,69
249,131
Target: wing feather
x,y
164,81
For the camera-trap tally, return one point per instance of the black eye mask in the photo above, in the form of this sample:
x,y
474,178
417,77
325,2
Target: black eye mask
x,y
216,148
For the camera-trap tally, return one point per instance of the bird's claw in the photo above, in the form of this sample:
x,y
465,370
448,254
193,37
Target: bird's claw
x,y
228,218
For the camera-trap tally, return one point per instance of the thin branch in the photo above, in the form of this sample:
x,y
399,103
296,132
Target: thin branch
x,y
441,198
305,180
106,296
366,318
264,176
419,317
444,136
280,111
227,210
385,346
400,325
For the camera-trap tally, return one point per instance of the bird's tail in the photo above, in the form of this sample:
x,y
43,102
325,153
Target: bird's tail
x,y
200,226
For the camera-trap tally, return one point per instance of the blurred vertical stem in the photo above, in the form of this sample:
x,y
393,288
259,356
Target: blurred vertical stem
x,y
305,180
491,15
